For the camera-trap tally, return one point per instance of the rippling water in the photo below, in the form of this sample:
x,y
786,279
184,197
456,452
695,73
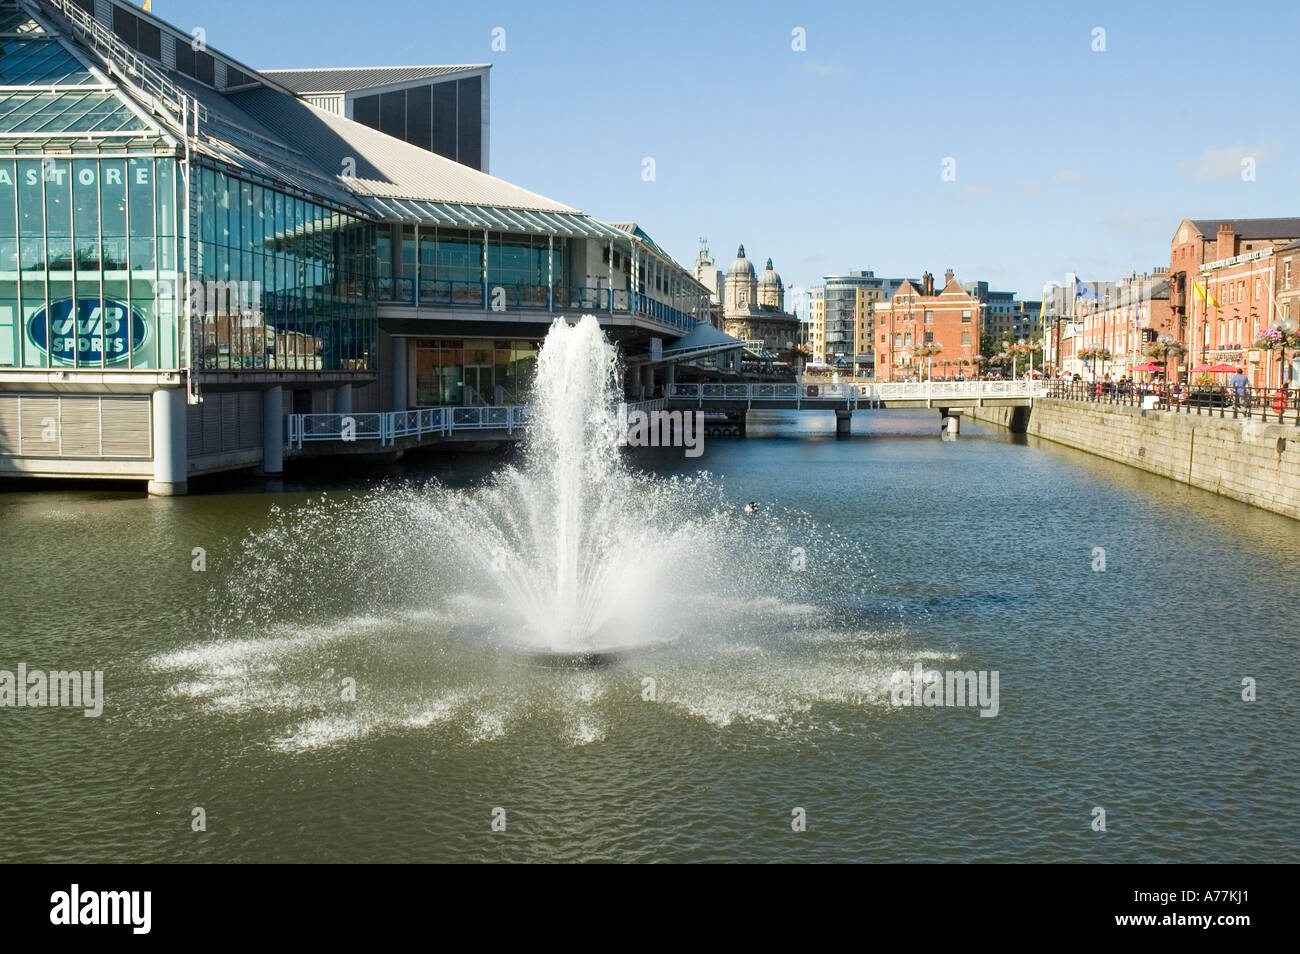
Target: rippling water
x,y
1119,689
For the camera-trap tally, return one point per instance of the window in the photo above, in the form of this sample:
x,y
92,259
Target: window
x,y
965,316
965,338
929,317
137,34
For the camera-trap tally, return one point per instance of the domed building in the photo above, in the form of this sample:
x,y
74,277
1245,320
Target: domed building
x,y
753,308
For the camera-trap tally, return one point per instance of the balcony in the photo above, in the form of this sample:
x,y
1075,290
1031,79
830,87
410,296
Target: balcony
x,y
537,299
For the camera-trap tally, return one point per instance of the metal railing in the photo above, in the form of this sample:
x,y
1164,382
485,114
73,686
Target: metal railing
x,y
1276,405
560,298
131,68
858,395
386,426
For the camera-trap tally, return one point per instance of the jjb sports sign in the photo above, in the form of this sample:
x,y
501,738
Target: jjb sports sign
x,y
106,330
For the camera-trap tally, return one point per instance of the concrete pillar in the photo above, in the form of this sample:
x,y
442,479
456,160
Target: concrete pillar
x,y
343,399
670,372
842,423
400,391
273,431
949,421
170,438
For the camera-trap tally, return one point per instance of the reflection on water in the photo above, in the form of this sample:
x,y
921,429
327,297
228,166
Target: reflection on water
x,y
228,688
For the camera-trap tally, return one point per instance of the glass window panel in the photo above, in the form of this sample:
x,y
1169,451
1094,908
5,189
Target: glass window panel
x,y
31,214
419,115
8,217
205,68
392,113
444,119
246,215
85,212
40,61
365,109
142,225
469,125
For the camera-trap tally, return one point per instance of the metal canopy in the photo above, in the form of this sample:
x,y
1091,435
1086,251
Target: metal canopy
x,y
454,214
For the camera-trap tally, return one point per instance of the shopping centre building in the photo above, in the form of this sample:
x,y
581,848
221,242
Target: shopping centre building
x,y
191,251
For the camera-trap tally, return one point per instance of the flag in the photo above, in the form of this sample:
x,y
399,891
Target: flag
x,y
146,6
1083,291
1202,294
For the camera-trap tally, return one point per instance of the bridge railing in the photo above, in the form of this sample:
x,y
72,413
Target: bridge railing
x,y
386,426
853,394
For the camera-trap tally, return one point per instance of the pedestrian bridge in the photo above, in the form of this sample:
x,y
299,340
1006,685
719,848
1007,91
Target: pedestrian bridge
x,y
364,432
850,397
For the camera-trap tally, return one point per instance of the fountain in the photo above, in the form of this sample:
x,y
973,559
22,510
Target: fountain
x,y
569,557
572,545
413,606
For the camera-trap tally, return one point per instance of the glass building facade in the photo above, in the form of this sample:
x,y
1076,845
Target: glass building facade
x,y
473,371
283,282
455,267
88,262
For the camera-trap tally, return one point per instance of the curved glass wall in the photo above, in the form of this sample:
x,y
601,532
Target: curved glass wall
x,y
284,283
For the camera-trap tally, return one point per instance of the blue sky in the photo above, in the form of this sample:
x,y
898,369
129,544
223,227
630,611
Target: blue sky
x,y
830,158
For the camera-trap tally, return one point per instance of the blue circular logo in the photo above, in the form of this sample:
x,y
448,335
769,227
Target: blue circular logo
x,y
108,331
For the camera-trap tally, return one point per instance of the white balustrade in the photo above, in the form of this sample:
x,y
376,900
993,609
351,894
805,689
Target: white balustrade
x,y
386,426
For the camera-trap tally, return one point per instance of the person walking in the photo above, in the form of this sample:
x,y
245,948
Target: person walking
x,y
1240,385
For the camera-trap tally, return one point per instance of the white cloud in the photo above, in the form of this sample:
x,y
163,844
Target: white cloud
x,y
1223,163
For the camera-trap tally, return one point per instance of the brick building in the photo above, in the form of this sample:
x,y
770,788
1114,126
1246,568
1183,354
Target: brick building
x,y
1123,320
919,314
1228,279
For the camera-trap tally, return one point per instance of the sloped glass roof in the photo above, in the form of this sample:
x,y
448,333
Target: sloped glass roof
x,y
40,61
13,20
69,112
491,217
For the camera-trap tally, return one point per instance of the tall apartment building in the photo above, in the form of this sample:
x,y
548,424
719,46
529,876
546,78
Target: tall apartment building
x,y
846,318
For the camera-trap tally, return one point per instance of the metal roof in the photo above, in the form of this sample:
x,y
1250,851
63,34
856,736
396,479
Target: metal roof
x,y
380,165
704,338
346,79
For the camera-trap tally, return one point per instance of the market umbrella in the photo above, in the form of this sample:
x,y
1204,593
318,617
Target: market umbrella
x,y
1148,368
1214,368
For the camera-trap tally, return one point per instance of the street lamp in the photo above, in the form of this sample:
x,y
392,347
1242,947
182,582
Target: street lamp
x,y
1286,328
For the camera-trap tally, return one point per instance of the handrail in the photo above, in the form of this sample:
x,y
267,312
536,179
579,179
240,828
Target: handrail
x,y
387,426
1268,404
130,66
